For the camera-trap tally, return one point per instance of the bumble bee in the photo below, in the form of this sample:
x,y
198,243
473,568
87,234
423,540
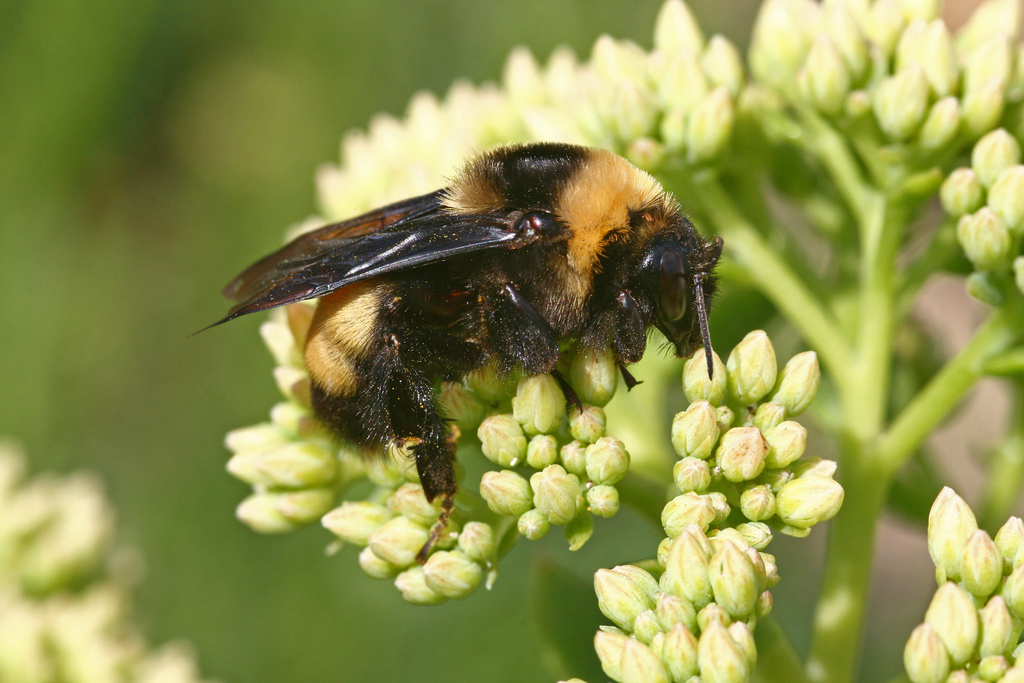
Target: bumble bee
x,y
530,245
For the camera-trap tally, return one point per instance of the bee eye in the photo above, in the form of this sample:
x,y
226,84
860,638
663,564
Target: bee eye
x,y
536,223
674,289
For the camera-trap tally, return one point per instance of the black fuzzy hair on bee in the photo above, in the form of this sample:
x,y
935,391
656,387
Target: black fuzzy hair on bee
x,y
529,245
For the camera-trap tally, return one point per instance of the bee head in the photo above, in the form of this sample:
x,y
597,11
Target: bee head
x,y
676,272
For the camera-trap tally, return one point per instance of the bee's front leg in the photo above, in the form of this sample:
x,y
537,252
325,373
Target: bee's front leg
x,y
520,336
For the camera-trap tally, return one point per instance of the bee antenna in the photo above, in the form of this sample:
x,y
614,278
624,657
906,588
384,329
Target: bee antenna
x,y
702,321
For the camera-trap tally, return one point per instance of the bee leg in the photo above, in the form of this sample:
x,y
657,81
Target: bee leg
x,y
629,335
406,406
520,336
572,400
628,379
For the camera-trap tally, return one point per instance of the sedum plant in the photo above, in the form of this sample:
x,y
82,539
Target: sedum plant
x,y
64,616
859,149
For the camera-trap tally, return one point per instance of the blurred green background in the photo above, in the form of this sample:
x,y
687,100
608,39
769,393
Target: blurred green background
x,y
150,149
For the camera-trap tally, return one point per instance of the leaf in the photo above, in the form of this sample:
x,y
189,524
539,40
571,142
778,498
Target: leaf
x,y
566,618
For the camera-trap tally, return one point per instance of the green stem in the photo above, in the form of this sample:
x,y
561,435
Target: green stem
x,y
934,403
776,279
776,658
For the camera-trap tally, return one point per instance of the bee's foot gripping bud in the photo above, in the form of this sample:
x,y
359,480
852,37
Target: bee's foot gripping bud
x,y
572,400
447,504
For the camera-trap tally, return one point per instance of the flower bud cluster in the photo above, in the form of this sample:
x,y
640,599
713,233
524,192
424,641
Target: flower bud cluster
x,y
559,467
971,628
697,619
60,618
753,466
987,199
291,462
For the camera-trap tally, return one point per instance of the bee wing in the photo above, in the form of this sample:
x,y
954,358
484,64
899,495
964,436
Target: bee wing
x,y
397,237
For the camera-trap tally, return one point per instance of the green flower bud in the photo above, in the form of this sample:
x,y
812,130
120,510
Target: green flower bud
x,y
634,111
813,465
1012,675
712,613
645,152
786,444
720,659
641,665
733,581
771,569
990,61
962,193
522,77
692,475
709,126
679,653
695,431
1018,272
985,239
388,472
982,107
696,384
506,492
587,425
675,29
290,465
725,418
409,501
756,534
1013,591
413,585
825,80
538,405
901,102
798,383
624,592
398,541
722,64
1006,197
752,368
981,566
997,629
375,567
594,376
478,542
744,639
930,46
741,453
461,405
781,37
993,154
686,571
842,27
574,458
257,437
555,494
950,523
673,130
720,504
579,530
985,288
757,503
955,619
769,415
619,61
689,508
609,648
533,525
674,609
924,656
452,574
992,668
646,626
354,521
764,605
542,451
303,507
486,384
502,440
941,125
260,513
808,500
603,500
1008,540
607,461
289,417
683,85
990,18
885,24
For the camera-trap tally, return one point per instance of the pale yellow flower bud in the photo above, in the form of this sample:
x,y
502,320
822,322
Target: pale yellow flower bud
x,y
752,368
676,29
955,619
538,405
741,454
502,440
1006,198
542,451
941,125
808,500
924,656
555,494
695,431
413,585
506,492
720,659
709,126
624,592
962,193
594,376
696,384
901,102
354,521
